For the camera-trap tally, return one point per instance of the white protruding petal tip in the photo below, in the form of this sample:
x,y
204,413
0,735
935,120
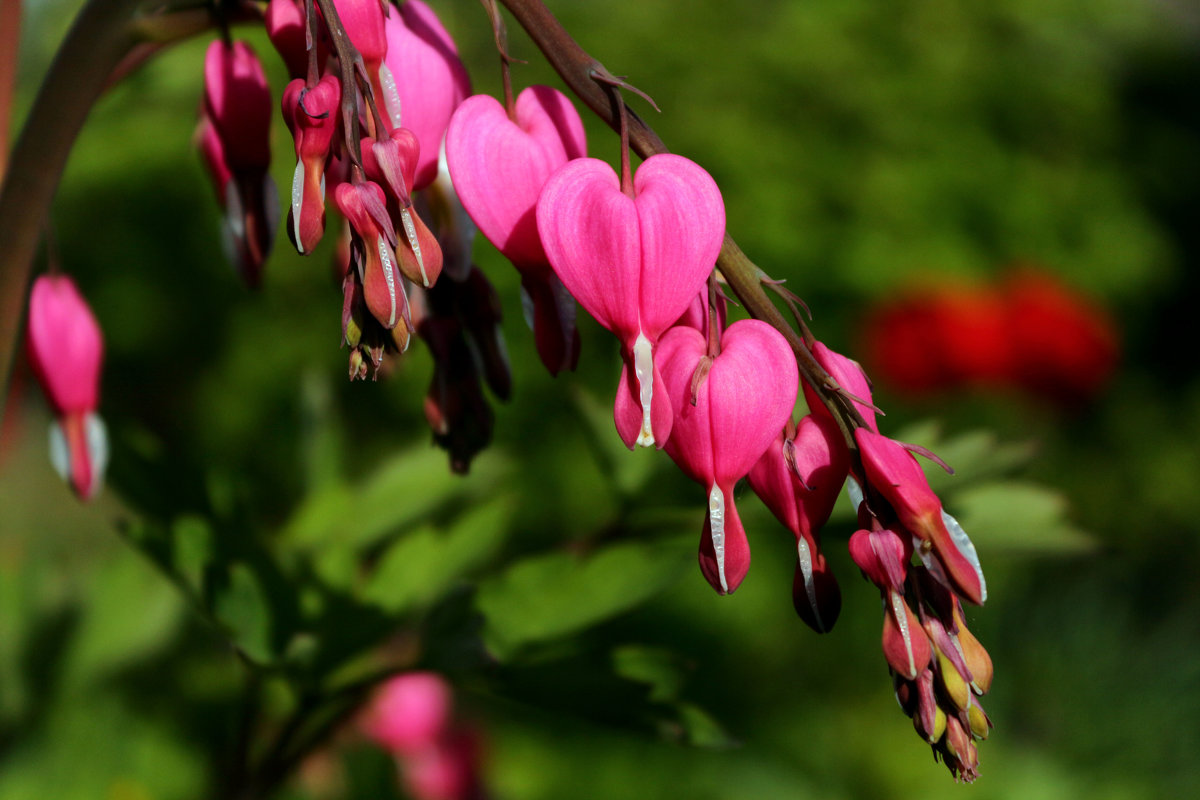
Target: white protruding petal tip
x,y
716,520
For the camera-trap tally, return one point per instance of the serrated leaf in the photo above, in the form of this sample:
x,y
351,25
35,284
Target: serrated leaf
x,y
423,564
1018,516
548,596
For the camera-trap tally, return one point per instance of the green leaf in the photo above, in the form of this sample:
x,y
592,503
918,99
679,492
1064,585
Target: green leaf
x,y
628,472
241,605
423,564
547,596
131,611
404,489
192,550
1018,516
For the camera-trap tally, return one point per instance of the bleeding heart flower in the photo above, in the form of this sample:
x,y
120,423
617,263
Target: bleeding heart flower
x,y
634,263
312,117
363,206
799,478
423,80
499,166
284,21
234,140
724,424
66,350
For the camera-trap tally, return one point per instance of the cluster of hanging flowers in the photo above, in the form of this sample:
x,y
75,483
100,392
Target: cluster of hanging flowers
x,y
377,94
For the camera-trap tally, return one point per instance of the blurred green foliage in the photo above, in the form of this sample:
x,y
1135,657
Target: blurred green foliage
x,y
272,531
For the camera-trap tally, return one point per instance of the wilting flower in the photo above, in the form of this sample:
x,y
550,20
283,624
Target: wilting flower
x,y
724,422
66,350
634,263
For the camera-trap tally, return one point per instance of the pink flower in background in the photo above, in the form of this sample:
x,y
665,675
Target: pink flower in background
x,y
66,350
411,717
724,422
410,711
635,263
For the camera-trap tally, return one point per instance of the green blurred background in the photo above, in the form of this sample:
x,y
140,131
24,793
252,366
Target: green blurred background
x,y
860,146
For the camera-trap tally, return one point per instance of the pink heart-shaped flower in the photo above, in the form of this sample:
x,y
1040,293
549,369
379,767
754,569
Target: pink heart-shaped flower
x,y
634,263
500,165
423,80
724,428
799,478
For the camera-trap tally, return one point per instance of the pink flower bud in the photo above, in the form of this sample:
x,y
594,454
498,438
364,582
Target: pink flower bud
x,y
850,378
634,263
882,556
312,117
363,206
422,80
285,27
66,350
905,645
723,426
895,474
238,101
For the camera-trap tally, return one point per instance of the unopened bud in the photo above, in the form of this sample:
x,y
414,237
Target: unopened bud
x,y
905,645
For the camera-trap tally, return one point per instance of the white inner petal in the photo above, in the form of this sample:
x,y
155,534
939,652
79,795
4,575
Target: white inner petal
x,y
643,368
298,201
410,230
963,544
389,275
810,588
97,444
527,307
391,95
901,615
60,454
716,521
855,493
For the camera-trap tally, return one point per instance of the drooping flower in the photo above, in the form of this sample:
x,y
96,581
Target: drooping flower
x,y
66,350
373,251
894,473
234,139
724,422
635,263
312,117
428,80
799,478
499,166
